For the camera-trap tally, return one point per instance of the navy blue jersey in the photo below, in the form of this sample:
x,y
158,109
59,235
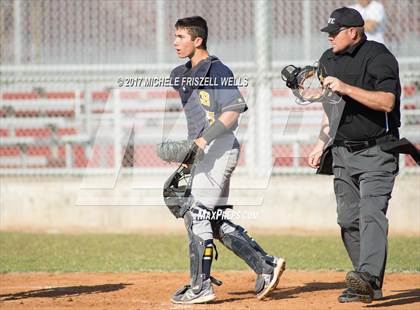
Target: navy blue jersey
x,y
206,91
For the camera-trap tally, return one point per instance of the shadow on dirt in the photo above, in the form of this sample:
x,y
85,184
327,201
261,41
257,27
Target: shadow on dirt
x,y
290,292
65,291
306,288
401,298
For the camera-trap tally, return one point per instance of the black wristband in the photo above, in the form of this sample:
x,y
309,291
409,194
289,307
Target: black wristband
x,y
215,130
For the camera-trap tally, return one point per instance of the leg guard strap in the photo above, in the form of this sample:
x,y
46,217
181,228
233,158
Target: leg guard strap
x,y
197,251
247,248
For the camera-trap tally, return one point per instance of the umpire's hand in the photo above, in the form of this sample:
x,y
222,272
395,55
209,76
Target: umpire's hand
x,y
336,85
314,157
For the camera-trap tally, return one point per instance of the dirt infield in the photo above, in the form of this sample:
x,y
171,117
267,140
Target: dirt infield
x,y
297,290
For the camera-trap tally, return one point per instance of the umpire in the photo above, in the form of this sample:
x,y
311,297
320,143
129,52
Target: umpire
x,y
365,74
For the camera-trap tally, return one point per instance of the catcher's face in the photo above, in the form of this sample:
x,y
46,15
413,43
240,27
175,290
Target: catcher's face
x,y
184,45
342,39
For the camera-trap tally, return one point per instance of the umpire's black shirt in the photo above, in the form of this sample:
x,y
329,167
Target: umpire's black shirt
x,y
371,66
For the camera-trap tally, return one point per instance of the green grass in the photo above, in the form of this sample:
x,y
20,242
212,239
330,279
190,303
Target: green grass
x,y
21,252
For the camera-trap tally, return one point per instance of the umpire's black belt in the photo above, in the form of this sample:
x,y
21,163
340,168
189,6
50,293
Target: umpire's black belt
x,y
354,146
388,143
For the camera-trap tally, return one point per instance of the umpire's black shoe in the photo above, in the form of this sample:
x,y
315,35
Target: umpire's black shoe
x,y
362,284
348,295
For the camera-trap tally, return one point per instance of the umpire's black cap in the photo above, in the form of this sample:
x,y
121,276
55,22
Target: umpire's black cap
x,y
343,17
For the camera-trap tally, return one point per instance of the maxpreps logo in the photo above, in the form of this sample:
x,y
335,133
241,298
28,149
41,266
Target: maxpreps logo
x,y
331,20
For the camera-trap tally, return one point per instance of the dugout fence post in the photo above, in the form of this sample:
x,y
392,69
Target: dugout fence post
x,y
263,29
161,44
17,31
307,31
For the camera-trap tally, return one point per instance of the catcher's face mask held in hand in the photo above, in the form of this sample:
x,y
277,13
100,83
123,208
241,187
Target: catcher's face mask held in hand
x,y
307,84
176,190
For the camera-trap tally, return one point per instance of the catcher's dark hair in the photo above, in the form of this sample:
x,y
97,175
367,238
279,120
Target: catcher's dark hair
x,y
196,27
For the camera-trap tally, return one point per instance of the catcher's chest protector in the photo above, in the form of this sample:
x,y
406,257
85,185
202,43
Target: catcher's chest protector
x,y
195,101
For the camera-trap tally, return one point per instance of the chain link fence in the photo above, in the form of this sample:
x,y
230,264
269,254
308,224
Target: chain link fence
x,y
62,110
53,32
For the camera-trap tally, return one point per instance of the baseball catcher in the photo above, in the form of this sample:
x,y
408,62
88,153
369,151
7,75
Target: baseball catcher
x,y
199,189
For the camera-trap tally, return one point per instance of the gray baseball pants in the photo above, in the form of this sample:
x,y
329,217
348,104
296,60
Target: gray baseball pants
x,y
363,183
211,180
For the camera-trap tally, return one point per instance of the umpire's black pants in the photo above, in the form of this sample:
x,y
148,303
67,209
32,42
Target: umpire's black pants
x,y
363,182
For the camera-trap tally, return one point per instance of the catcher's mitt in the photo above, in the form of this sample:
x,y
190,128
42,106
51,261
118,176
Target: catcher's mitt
x,y
184,151
307,84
